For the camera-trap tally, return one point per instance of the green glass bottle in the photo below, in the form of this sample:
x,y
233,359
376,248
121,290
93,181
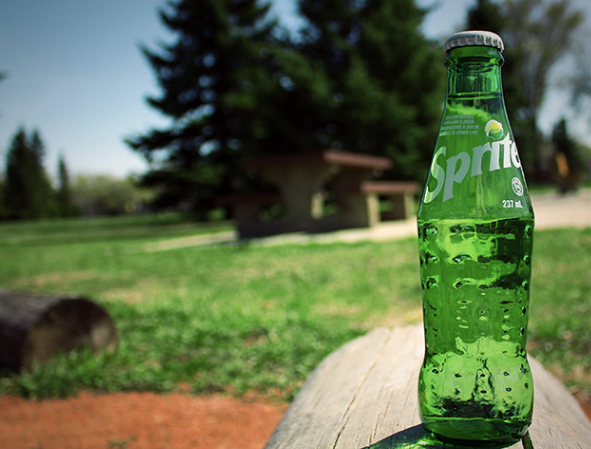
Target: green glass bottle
x,y
475,225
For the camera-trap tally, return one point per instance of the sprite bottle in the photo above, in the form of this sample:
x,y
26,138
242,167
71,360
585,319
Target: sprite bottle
x,y
475,226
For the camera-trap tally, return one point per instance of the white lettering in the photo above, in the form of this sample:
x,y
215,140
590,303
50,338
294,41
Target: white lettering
x,y
456,167
455,176
478,152
515,155
438,173
506,143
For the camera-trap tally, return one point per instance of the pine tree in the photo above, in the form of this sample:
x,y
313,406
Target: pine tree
x,y
27,191
217,43
386,80
17,191
63,194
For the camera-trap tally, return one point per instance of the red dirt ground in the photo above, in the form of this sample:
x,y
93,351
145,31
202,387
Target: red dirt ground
x,y
137,421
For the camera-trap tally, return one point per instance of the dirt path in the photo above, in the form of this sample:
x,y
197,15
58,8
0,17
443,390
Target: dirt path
x,y
137,421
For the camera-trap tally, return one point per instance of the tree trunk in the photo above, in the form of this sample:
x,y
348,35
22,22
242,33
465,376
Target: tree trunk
x,y
34,327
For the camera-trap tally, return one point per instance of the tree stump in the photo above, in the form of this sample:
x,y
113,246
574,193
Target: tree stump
x,y
34,327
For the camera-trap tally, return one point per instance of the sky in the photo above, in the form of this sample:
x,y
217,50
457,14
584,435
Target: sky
x,y
75,73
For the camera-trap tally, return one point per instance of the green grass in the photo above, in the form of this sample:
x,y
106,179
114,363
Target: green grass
x,y
243,318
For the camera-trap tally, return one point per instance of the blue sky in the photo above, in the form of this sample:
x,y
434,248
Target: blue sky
x,y
76,74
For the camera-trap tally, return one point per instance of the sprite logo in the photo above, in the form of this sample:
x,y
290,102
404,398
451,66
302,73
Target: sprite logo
x,y
449,171
494,129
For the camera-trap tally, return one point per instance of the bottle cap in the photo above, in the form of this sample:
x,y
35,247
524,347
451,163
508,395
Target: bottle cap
x,y
474,38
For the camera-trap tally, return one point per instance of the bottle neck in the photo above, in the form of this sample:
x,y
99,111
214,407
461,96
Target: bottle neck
x,y
474,73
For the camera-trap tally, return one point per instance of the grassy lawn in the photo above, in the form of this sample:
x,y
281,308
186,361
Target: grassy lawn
x,y
240,318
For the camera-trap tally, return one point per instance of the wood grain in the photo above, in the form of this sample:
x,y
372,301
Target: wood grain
x,y
365,395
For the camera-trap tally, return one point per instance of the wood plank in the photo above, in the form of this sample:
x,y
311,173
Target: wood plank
x,y
365,395
338,157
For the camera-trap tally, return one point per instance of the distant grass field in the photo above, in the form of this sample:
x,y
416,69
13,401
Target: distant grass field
x,y
243,318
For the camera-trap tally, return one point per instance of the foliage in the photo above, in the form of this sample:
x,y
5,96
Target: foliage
x,y
385,80
63,194
564,143
239,318
94,195
27,192
360,77
537,34
218,42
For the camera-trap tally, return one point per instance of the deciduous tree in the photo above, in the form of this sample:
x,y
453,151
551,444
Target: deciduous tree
x,y
537,34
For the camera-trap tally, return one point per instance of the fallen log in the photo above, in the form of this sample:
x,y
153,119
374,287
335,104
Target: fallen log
x,y
34,327
364,395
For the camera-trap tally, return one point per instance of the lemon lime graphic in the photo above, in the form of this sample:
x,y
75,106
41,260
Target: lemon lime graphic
x,y
494,129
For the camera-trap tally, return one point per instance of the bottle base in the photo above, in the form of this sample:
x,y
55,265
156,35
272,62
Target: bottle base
x,y
481,431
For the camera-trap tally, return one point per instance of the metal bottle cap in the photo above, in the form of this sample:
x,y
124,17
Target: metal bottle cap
x,y
474,38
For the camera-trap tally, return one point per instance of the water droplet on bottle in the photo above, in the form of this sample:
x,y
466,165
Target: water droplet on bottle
x,y
526,260
523,310
525,285
431,283
527,232
457,391
508,389
505,373
431,230
432,258
460,258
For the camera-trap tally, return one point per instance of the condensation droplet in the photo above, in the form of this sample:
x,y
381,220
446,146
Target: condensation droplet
x,y
527,232
460,258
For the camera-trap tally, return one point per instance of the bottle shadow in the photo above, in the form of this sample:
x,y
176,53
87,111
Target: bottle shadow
x,y
417,437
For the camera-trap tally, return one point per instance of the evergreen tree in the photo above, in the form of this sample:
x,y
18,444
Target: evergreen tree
x,y
217,42
63,194
27,192
386,83
44,193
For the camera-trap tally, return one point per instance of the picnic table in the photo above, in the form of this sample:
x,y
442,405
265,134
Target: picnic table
x,y
364,396
303,181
